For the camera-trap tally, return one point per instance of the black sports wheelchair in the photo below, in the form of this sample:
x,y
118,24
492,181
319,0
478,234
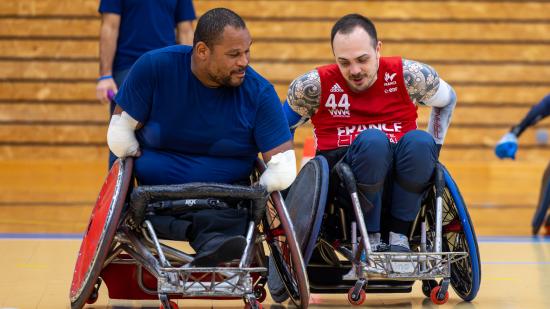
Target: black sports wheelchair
x,y
121,248
442,239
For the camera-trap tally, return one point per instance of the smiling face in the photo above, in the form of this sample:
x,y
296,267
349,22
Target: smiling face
x,y
227,59
357,57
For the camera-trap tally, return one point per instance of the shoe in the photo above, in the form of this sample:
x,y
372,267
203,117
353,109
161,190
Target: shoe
x,y
229,249
376,243
399,243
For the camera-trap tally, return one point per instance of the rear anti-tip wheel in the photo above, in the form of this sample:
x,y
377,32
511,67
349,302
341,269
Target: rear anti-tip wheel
x,y
357,300
547,227
95,293
93,298
435,299
428,286
260,293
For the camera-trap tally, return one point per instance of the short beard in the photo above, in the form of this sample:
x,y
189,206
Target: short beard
x,y
224,81
374,76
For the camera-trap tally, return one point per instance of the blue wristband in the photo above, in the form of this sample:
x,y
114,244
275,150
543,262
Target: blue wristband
x,y
104,77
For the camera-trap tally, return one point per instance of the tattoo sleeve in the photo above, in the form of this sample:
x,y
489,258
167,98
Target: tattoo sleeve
x,y
304,94
421,80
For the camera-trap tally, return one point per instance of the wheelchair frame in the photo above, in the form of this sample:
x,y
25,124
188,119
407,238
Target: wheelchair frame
x,y
423,265
433,259
140,248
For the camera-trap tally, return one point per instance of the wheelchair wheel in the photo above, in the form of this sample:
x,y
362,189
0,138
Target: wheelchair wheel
x,y
428,286
459,235
543,204
285,253
100,232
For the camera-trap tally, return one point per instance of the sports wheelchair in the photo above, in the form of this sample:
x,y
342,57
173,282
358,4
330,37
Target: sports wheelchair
x,y
121,248
442,239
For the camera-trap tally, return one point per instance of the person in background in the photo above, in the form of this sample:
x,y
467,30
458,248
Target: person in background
x,y
508,144
507,147
130,28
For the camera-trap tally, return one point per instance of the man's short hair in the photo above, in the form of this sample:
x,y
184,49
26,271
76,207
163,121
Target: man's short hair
x,y
211,24
346,24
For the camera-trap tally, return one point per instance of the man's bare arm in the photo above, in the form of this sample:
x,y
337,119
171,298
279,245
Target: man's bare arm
x,y
184,31
108,37
279,149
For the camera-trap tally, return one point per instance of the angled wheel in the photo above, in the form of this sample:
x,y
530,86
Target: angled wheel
x,y
286,264
305,202
285,252
459,236
100,232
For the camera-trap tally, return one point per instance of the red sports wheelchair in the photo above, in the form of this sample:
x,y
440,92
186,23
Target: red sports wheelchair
x,y
121,248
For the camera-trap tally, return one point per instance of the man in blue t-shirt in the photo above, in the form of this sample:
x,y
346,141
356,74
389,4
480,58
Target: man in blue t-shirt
x,y
130,28
201,114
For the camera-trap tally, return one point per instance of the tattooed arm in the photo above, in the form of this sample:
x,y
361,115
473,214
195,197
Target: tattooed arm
x,y
303,98
425,87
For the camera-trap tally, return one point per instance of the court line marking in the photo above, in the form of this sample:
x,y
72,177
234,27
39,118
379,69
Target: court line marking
x,y
513,239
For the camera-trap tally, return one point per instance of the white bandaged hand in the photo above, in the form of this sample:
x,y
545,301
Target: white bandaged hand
x,y
280,172
121,137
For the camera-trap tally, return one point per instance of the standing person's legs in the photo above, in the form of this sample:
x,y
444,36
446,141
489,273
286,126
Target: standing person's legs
x,y
119,77
369,157
415,158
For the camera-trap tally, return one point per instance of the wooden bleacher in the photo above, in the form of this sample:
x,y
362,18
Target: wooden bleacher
x,y
495,55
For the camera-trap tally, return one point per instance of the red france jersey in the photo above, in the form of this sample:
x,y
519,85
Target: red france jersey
x,y
343,114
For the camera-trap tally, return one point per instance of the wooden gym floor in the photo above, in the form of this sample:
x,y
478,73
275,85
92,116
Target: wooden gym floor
x,y
36,273
39,240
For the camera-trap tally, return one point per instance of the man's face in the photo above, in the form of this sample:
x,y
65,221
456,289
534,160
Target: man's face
x,y
357,58
229,57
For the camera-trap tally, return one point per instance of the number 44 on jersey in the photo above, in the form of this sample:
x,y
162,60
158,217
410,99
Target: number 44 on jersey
x,y
338,110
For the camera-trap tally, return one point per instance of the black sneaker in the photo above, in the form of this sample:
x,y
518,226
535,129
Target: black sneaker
x,y
229,249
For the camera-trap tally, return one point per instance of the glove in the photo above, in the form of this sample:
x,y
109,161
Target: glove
x,y
507,146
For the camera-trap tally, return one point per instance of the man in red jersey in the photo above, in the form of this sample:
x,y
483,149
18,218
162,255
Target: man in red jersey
x,y
363,109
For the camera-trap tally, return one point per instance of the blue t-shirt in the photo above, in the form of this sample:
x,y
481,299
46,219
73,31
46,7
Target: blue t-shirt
x,y
194,133
145,25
